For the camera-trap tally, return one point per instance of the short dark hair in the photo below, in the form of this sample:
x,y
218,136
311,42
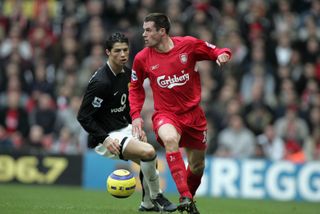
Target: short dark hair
x,y
114,38
160,21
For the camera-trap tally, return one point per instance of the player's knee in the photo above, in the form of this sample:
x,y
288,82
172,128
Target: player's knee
x,y
148,152
171,143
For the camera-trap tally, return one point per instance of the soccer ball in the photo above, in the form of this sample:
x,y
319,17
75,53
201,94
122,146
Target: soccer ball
x,y
121,183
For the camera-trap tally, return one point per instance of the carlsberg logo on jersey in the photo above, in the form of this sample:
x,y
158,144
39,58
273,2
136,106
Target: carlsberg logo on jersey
x,y
172,81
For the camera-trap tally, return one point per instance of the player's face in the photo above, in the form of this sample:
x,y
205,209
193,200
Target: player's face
x,y
151,36
119,54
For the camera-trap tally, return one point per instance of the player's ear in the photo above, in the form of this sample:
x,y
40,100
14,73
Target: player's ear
x,y
162,31
107,52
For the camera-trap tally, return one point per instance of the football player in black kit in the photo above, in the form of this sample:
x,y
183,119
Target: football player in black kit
x,y
104,114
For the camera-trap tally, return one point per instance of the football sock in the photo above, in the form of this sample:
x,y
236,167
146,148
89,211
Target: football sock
x,y
146,200
178,172
151,176
193,181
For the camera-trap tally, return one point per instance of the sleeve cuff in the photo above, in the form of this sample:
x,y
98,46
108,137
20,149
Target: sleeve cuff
x,y
135,116
225,50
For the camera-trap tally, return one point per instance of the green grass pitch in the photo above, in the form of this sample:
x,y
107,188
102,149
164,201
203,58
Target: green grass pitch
x,y
57,199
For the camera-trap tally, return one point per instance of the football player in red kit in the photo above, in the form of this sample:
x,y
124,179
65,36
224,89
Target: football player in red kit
x,y
178,120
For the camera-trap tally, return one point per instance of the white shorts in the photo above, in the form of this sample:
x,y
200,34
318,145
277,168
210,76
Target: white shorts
x,y
123,135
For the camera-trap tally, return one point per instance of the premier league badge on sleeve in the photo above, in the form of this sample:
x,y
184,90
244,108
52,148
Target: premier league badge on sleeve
x,y
97,102
134,75
183,58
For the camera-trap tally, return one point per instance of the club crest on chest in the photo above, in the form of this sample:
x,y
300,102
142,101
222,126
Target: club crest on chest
x,y
183,58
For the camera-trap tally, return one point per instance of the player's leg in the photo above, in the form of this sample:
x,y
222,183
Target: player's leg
x,y
146,153
196,164
170,138
146,203
194,142
194,174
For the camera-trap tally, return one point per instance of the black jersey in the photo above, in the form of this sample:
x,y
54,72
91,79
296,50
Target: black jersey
x,y
105,105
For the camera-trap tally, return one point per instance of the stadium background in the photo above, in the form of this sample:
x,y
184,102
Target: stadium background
x,y
49,49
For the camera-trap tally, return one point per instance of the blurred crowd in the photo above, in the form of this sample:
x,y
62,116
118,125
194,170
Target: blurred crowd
x,y
264,104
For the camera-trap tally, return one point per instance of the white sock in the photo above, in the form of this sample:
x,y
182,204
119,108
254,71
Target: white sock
x,y
151,176
146,202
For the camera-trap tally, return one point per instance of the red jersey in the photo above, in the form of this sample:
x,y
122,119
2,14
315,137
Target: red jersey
x,y
174,79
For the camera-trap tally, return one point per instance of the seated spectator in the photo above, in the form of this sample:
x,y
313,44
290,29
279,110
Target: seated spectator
x,y
294,131
36,141
15,120
15,42
310,93
287,96
67,118
313,118
236,141
257,113
258,75
45,115
312,146
66,143
269,145
6,143
14,85
218,109
90,64
41,84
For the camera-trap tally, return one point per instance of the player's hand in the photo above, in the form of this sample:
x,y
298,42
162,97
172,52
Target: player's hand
x,y
112,145
137,125
222,59
143,137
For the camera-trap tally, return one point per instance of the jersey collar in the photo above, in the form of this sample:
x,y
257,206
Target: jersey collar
x,y
122,71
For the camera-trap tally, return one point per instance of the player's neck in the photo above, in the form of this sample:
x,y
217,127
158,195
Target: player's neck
x,y
165,45
116,69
